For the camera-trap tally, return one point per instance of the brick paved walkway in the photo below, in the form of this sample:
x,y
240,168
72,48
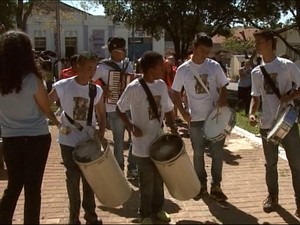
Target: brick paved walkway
x,y
243,182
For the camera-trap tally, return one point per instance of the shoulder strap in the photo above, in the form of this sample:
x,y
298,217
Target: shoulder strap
x,y
270,81
150,97
111,63
200,80
92,95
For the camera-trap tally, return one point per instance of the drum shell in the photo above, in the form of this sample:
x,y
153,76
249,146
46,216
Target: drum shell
x,y
106,179
227,120
175,167
283,125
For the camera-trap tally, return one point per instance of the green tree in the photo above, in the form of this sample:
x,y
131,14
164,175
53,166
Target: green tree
x,y
180,19
8,8
15,13
267,13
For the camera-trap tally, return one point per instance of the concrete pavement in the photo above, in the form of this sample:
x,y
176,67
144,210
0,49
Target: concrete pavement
x,y
243,183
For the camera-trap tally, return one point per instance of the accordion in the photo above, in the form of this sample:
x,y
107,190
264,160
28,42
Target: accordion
x,y
117,82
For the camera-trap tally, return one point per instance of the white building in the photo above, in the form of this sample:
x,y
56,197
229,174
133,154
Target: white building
x,y
81,31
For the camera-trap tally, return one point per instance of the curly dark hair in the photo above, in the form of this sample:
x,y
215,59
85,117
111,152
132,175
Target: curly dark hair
x,y
17,61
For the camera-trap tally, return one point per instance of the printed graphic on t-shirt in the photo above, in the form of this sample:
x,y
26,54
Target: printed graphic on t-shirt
x,y
199,89
80,109
267,86
152,115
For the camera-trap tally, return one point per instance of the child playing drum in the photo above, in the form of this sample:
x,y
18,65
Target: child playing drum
x,y
73,94
146,125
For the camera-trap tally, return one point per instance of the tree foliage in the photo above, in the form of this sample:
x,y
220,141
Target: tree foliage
x,y
8,8
180,19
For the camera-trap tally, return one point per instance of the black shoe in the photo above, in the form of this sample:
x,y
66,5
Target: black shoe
x,y
202,192
270,204
92,218
94,222
217,193
74,221
74,218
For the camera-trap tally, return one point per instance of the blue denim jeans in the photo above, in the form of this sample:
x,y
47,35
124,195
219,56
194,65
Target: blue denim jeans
x,y
25,159
151,187
291,145
117,127
73,175
131,159
199,141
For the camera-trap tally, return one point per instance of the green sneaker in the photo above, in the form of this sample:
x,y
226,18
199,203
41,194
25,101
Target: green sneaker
x,y
163,217
146,220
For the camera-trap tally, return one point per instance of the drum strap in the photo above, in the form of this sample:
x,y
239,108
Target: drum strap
x,y
92,95
200,80
150,99
270,81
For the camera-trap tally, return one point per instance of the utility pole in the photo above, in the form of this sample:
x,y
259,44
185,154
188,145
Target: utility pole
x,y
58,47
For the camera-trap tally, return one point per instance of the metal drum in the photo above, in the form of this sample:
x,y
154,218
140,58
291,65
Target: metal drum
x,y
283,125
102,172
173,163
219,123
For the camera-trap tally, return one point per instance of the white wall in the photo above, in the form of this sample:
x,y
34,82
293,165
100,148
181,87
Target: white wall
x,y
72,25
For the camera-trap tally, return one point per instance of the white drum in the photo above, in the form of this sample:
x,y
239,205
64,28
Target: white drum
x,y
173,163
102,172
219,123
283,125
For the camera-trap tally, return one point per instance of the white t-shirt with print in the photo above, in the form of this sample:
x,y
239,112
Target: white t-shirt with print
x,y
103,73
134,98
283,72
199,101
74,99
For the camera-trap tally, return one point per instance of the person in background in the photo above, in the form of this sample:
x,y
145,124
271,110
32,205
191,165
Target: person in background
x,y
73,94
24,109
116,47
284,74
244,86
169,73
145,127
70,71
47,72
201,102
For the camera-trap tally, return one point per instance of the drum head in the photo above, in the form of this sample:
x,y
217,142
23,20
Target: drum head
x,y
166,147
88,151
216,124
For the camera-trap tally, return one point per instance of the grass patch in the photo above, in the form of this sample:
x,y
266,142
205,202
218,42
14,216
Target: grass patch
x,y
243,122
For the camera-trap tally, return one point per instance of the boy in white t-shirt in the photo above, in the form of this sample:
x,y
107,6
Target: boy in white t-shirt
x,y
202,99
286,77
73,94
145,127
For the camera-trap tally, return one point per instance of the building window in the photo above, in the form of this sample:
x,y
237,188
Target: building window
x,y
71,46
40,43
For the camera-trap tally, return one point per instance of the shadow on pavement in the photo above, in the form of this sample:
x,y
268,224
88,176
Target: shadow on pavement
x,y
286,216
130,208
230,215
230,158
